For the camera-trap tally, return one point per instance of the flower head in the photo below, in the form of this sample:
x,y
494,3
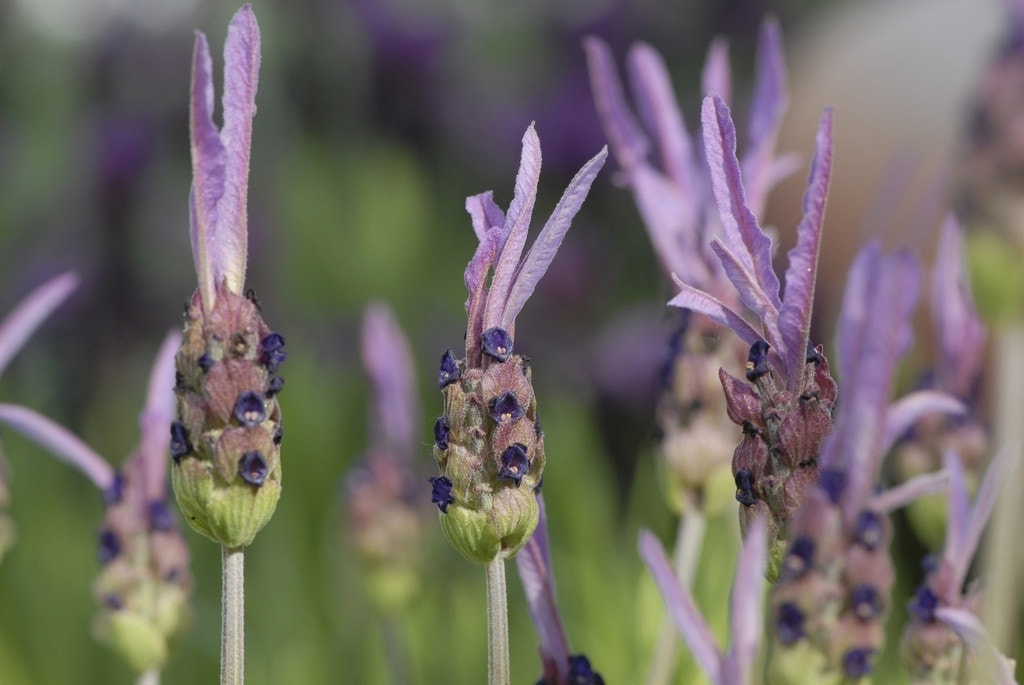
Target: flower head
x,y
487,443
144,584
385,516
227,470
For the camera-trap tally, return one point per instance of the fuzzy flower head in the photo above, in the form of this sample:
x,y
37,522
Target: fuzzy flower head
x,y
488,444
943,617
836,575
385,515
679,209
144,583
734,665
14,332
226,441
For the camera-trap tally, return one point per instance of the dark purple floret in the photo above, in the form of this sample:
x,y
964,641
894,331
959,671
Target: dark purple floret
x,y
497,343
789,623
112,493
581,673
745,487
112,601
536,426
857,663
441,493
505,408
441,433
813,356
279,434
757,361
252,467
800,557
274,385
272,352
833,483
514,463
865,602
924,604
160,517
537,487
109,546
250,409
449,371
180,445
205,362
869,530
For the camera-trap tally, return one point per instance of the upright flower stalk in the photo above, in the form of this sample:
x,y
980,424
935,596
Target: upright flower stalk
x,y
836,578
144,583
678,208
226,441
488,443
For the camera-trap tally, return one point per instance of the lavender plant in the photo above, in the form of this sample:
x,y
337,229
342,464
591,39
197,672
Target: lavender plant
x,y
226,443
144,584
488,443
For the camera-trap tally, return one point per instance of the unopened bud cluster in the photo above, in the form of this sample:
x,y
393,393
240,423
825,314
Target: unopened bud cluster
x,y
226,445
490,450
696,434
836,578
144,583
776,462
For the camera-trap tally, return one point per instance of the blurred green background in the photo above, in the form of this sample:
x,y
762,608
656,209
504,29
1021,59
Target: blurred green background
x,y
376,119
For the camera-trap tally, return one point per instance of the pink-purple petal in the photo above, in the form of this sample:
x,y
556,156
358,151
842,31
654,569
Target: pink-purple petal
x,y
972,631
741,232
750,293
746,605
30,313
476,284
958,516
60,442
766,110
907,410
484,213
656,104
208,169
534,566
241,76
715,76
387,359
544,248
998,472
627,140
798,300
682,609
699,301
901,495
156,416
517,226
670,219
961,334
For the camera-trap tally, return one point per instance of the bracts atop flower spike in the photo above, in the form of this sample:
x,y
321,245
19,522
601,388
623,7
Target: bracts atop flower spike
x,y
488,446
226,441
785,406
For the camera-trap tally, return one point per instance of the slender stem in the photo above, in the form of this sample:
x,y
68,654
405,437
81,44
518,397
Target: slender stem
x,y
151,677
394,647
689,538
1002,548
232,626
497,624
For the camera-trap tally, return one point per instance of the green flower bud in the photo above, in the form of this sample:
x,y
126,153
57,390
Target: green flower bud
x,y
491,456
226,444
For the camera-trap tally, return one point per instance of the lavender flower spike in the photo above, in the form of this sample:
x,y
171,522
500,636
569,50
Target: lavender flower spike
x,y
491,461
733,667
226,441
942,617
144,584
220,158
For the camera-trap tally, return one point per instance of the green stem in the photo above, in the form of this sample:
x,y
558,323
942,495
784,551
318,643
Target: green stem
x,y
689,538
151,677
497,624
1002,548
232,626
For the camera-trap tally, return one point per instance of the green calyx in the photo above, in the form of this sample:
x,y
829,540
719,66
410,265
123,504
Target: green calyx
x,y
494,458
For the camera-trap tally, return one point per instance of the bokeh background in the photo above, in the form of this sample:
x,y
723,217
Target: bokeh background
x,y
376,119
